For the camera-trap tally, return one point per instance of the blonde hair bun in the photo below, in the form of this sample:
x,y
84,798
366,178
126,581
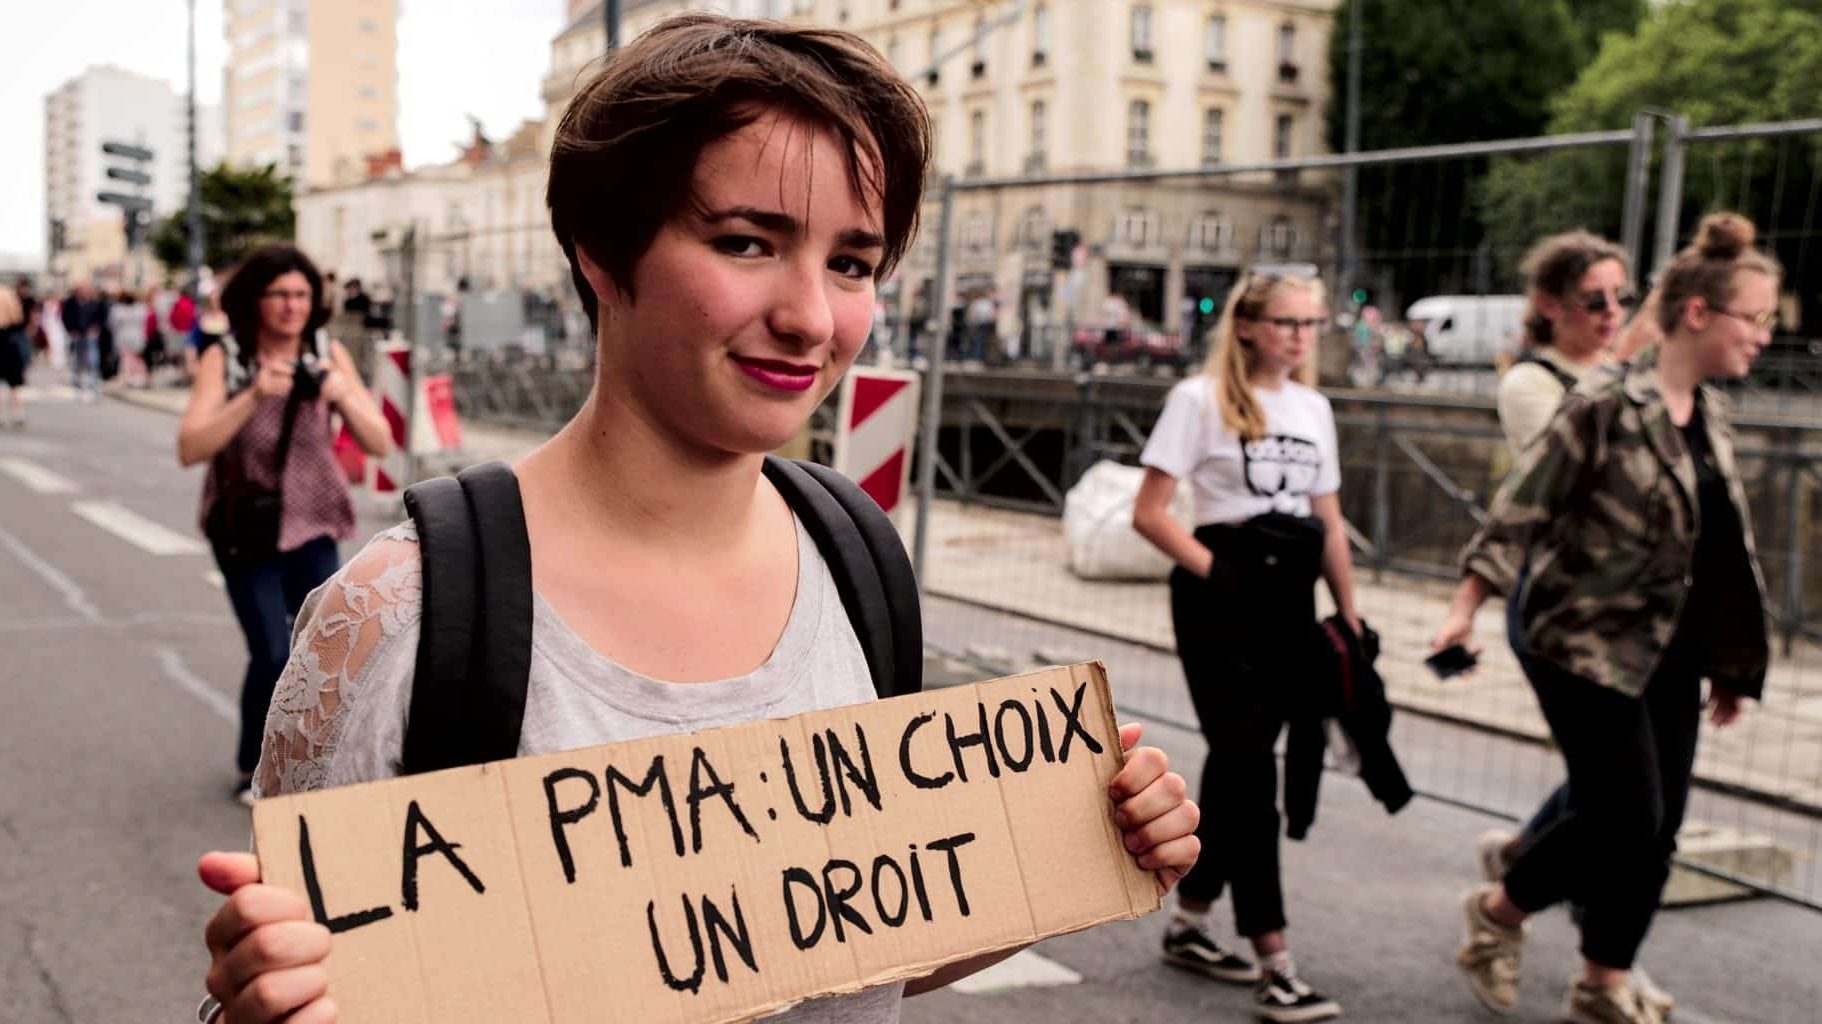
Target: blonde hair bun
x,y
1724,236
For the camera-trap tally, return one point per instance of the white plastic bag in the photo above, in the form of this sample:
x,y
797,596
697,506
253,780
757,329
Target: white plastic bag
x,y
1097,526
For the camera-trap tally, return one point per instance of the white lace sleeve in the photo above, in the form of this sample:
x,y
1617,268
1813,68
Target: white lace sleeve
x,y
345,663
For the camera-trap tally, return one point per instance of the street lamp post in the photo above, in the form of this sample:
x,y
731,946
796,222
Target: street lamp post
x,y
193,214
610,11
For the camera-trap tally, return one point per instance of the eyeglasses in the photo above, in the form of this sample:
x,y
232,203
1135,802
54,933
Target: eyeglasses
x,y
1600,302
1763,321
1291,325
279,295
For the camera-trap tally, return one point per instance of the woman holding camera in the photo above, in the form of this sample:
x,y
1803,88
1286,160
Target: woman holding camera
x,y
275,501
1623,543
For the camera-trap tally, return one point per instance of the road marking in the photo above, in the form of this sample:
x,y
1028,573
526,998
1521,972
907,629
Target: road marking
x,y
177,672
38,478
73,596
215,579
1022,970
136,529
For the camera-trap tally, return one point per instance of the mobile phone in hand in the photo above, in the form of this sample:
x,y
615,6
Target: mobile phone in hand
x,y
1451,661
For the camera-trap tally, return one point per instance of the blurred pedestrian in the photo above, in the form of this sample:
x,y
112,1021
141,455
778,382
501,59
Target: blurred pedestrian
x,y
15,358
127,325
1256,444
780,171
1578,286
1623,544
85,316
275,501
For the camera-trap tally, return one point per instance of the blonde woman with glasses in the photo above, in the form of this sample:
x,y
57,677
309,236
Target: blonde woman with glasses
x,y
1256,444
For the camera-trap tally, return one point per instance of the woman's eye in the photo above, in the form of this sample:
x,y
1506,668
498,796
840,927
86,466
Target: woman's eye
x,y
740,245
849,266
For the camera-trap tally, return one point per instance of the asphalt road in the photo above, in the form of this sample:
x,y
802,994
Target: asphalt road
x,y
120,666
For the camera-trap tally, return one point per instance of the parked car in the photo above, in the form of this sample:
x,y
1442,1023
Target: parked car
x,y
1139,344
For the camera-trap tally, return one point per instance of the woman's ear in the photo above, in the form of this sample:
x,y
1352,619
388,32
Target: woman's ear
x,y
1547,305
1696,313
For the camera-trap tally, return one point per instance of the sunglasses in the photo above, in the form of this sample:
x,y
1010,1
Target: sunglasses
x,y
1763,321
1600,302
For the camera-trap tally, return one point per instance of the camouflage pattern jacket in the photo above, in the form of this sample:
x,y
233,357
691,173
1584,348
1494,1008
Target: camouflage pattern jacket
x,y
1593,533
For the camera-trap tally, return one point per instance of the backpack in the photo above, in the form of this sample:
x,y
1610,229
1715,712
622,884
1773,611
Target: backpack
x,y
1562,376
474,645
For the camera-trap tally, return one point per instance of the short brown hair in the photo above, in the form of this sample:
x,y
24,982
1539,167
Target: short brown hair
x,y
1723,247
1553,266
624,157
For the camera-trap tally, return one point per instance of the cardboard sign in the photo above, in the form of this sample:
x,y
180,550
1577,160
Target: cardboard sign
x,y
719,875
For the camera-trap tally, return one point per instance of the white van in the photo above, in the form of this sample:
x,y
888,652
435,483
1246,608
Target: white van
x,y
1468,330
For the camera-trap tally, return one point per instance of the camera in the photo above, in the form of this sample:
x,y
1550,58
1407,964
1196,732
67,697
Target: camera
x,y
307,378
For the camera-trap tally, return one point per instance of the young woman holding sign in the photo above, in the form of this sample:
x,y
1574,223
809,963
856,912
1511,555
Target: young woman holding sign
x,y
729,194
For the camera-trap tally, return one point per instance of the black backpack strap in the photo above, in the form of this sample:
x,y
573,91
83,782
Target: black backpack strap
x,y
474,643
871,570
1562,377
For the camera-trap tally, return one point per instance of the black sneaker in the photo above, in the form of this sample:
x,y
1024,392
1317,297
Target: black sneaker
x,y
1193,950
1285,999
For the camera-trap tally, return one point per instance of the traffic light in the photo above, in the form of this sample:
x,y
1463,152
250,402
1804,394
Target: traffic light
x,y
1062,248
1360,297
1206,306
135,206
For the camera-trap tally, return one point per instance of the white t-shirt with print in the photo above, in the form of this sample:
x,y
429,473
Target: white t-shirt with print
x,y
1298,458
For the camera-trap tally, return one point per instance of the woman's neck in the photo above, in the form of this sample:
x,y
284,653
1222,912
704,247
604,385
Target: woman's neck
x,y
1585,360
279,345
613,470
1268,379
1678,374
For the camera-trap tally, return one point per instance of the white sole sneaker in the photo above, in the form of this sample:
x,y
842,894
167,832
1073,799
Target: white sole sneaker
x,y
1490,853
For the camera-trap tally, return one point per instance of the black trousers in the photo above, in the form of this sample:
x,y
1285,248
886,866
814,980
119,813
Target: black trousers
x,y
1242,637
1630,761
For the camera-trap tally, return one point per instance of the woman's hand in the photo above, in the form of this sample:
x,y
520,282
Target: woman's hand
x,y
1724,705
1153,810
335,387
274,378
1456,629
265,953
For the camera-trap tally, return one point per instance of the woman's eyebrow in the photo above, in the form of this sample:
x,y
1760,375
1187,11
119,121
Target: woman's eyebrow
x,y
787,225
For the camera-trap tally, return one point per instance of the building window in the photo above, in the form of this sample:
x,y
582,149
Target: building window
x,y
1277,239
1211,233
1138,227
1039,113
936,49
368,25
368,125
980,47
1215,42
1138,134
977,143
1282,136
367,92
294,121
1213,121
1040,35
977,235
1141,33
1287,52
1034,230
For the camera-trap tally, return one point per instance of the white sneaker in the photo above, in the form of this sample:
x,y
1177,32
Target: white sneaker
x,y
1491,852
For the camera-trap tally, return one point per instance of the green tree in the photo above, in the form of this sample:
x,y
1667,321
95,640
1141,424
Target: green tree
x,y
241,209
1445,71
1715,61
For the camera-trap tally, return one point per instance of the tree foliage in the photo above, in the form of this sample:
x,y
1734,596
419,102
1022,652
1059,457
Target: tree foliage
x,y
1717,62
241,209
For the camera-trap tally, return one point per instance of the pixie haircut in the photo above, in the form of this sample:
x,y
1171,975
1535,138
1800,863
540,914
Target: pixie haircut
x,y
624,158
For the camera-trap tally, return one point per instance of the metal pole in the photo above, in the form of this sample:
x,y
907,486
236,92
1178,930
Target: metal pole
x,y
610,11
933,384
1670,193
193,215
1350,183
1638,182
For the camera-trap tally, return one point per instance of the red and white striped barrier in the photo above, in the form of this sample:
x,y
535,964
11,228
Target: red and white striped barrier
x,y
427,426
874,431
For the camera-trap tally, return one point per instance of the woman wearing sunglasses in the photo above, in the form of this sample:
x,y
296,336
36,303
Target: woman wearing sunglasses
x,y
1256,444
1623,543
1579,289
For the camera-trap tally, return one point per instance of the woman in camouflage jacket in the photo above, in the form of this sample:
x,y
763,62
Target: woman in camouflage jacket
x,y
1623,543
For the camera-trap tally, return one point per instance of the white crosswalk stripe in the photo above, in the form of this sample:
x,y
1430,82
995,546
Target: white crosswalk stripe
x,y
37,477
1022,970
136,529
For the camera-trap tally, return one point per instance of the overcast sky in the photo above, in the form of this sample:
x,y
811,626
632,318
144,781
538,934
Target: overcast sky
x,y
456,57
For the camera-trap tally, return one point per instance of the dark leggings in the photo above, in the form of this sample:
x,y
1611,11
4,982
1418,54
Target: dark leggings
x,y
1237,638
266,596
1630,761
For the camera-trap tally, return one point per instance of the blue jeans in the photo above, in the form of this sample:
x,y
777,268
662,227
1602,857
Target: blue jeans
x,y
85,363
266,596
